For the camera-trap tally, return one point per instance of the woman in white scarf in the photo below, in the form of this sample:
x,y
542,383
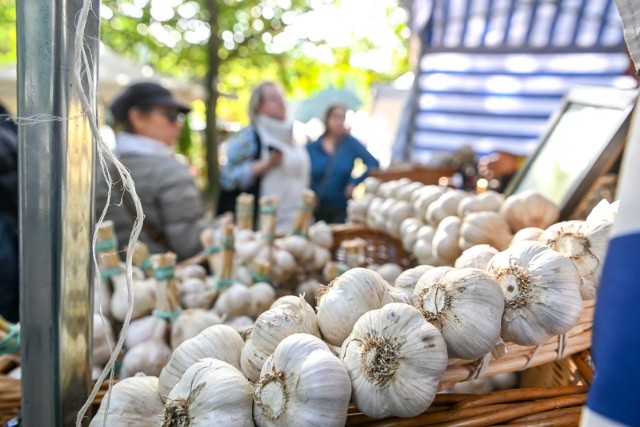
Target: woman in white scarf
x,y
265,159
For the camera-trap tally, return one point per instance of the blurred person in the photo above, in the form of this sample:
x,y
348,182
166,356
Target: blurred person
x,y
501,166
9,235
148,122
332,157
263,159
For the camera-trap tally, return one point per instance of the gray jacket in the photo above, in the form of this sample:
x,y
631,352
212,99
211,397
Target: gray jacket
x,y
170,200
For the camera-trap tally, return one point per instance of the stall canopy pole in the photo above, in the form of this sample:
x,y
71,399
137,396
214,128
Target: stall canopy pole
x,y
56,211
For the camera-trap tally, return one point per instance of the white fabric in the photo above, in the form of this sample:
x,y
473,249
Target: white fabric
x,y
593,419
288,180
631,27
628,220
128,143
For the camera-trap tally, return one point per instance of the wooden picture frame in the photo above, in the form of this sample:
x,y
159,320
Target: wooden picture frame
x,y
584,139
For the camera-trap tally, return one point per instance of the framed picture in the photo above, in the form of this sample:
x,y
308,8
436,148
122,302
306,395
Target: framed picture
x,y
584,139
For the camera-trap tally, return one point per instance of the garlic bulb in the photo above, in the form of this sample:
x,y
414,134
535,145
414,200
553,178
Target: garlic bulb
x,y
220,342
585,243
303,384
309,288
134,402
541,289
288,315
465,305
149,356
371,184
140,330
527,233
389,271
395,360
604,211
423,247
144,297
196,293
262,296
321,234
426,196
241,324
446,205
400,211
346,298
485,227
529,209
445,240
409,232
406,281
236,300
483,202
191,271
103,340
210,393
477,256
406,192
190,323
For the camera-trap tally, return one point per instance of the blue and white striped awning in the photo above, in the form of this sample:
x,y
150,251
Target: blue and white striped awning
x,y
493,71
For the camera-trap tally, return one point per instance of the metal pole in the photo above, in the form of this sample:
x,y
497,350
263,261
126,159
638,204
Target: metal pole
x,y
56,217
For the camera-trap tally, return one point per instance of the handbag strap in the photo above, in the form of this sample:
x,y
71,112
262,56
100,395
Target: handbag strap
x,y
327,172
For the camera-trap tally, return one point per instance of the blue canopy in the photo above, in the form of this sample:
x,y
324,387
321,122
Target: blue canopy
x,y
492,72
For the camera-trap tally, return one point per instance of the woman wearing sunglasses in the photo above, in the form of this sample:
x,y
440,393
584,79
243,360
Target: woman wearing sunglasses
x,y
148,122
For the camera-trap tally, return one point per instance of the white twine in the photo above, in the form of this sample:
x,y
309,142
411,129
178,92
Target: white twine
x,y
105,155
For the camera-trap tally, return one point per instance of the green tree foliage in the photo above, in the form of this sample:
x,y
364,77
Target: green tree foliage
x,y
175,37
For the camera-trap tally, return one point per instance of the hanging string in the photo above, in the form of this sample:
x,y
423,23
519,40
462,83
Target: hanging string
x,y
88,101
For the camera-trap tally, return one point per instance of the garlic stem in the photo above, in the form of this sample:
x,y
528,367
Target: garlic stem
x,y
271,394
244,211
304,214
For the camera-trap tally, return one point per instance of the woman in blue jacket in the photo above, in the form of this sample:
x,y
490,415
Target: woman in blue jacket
x,y
332,157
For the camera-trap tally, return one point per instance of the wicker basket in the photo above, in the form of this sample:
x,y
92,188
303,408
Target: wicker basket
x,y
532,407
381,248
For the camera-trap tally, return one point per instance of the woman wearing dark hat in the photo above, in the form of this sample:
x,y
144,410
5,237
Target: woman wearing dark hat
x,y
148,122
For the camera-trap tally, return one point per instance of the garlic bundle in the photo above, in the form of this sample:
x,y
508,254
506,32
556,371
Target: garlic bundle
x,y
585,243
400,211
409,232
529,209
527,233
477,256
262,296
302,384
425,197
151,355
485,227
235,301
389,271
483,202
406,281
241,324
445,240
144,295
190,323
446,205
288,315
346,298
541,289
191,271
210,393
371,184
465,305
320,233
220,342
604,211
423,247
103,340
196,293
133,402
395,360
